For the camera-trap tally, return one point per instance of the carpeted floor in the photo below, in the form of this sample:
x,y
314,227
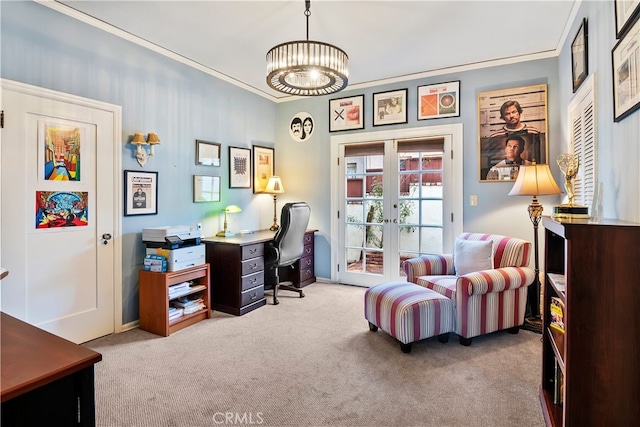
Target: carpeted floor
x,y
313,362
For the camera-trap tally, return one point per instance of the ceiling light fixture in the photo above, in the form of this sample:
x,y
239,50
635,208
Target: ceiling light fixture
x,y
306,67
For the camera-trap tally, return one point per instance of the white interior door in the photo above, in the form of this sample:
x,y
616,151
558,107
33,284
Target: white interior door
x,y
59,212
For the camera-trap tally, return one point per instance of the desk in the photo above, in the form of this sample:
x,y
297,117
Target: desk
x,y
45,379
237,270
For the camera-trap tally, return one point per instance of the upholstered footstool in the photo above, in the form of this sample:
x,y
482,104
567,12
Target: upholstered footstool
x,y
409,312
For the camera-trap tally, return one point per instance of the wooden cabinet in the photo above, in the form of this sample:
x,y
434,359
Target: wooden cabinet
x,y
155,299
591,372
302,273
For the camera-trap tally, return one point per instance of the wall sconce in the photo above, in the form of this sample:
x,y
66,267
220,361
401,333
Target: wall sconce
x,y
138,140
229,209
275,187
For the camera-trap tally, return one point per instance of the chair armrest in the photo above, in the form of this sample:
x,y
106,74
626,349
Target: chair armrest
x,y
428,265
495,280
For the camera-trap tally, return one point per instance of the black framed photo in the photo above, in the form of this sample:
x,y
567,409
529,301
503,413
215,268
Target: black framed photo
x,y
239,167
439,100
579,56
625,60
626,12
346,113
390,108
206,188
140,193
207,153
263,167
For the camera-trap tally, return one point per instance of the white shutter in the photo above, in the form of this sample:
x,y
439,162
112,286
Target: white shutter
x,y
583,140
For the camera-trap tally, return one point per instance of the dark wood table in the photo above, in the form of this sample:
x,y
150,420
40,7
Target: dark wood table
x,y
44,378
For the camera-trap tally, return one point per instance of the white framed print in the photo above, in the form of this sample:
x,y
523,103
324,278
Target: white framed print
x,y
439,100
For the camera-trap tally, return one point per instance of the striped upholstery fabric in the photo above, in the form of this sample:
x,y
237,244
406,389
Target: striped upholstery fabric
x,y
486,301
408,312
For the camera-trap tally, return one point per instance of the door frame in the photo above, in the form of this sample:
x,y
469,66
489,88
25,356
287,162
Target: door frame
x,y
116,112
455,130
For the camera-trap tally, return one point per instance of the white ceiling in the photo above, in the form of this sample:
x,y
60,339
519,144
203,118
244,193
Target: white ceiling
x,y
386,40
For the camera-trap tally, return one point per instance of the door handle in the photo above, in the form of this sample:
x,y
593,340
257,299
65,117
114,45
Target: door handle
x,y
105,238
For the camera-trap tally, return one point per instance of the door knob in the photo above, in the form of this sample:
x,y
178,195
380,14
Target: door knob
x,y
105,238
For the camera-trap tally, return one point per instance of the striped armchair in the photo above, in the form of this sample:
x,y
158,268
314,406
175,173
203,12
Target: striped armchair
x,y
487,300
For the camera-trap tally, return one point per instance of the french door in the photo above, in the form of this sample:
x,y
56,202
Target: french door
x,y
395,198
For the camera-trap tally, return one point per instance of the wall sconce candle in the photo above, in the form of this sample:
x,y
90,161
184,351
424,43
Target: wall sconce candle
x,y
139,141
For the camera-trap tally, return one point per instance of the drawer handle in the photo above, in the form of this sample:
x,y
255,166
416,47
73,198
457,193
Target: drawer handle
x,y
254,280
308,250
253,251
308,262
308,271
254,266
254,296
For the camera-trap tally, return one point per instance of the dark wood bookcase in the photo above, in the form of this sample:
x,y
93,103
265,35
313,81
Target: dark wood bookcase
x,y
591,372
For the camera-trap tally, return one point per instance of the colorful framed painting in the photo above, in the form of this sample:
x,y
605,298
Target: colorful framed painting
x,y
57,209
263,167
239,167
439,100
512,131
206,188
579,56
390,107
207,153
346,113
60,150
625,59
140,193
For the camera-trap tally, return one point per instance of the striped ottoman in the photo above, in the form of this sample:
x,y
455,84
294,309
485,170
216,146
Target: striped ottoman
x,y
409,312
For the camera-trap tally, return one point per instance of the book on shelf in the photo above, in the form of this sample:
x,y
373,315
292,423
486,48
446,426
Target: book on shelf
x,y
556,311
558,384
558,281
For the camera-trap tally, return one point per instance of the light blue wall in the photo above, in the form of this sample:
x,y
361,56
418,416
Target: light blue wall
x,y
44,48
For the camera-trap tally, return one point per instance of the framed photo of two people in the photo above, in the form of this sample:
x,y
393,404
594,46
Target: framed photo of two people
x,y
512,131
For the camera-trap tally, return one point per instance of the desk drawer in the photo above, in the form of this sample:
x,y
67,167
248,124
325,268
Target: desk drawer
x,y
306,268
253,265
252,251
252,295
252,280
308,250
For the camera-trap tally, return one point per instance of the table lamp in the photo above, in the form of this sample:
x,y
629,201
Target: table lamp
x,y
534,180
275,187
229,209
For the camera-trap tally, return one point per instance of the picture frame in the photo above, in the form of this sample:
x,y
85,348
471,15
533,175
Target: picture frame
x,y
301,127
263,167
390,107
580,56
437,101
626,11
523,126
206,188
239,167
346,113
207,153
140,193
626,78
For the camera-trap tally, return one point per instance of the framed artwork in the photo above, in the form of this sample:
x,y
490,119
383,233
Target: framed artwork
x,y
626,73
626,12
439,100
579,56
207,153
56,209
301,127
140,193
206,188
59,150
390,107
239,167
263,167
512,131
346,113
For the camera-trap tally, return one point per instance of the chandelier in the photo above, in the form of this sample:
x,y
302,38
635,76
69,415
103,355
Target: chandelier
x,y
306,67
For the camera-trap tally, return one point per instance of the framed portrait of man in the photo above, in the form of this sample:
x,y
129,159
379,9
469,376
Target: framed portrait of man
x,y
512,131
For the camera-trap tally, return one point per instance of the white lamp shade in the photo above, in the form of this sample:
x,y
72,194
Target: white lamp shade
x,y
274,185
535,180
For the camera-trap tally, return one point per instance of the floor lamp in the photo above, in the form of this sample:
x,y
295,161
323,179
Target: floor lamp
x,y
275,187
534,180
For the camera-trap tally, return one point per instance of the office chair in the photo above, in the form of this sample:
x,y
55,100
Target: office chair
x,y
287,246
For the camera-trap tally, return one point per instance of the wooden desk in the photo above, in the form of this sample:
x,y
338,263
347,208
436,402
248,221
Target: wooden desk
x,y
44,379
237,270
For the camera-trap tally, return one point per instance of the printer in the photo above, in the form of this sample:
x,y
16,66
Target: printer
x,y
180,245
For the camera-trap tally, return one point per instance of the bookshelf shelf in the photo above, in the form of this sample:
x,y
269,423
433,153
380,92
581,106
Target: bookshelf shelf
x,y
590,372
154,298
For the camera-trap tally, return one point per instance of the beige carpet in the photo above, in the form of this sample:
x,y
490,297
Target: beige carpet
x,y
313,362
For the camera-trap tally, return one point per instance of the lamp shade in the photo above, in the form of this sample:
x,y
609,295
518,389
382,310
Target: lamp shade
x,y
153,138
274,185
138,139
535,180
232,209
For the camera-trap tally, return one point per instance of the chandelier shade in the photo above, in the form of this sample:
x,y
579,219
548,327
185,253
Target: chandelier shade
x,y
307,67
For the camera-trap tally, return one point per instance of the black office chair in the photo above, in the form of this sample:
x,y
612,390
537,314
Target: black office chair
x,y
287,246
